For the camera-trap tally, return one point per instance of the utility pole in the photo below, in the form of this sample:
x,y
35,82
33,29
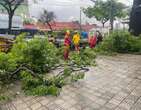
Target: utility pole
x,y
80,19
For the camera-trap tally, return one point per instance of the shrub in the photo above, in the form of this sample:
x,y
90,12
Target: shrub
x,y
28,81
35,86
4,98
53,90
76,77
7,65
39,91
121,42
85,58
38,54
58,81
43,90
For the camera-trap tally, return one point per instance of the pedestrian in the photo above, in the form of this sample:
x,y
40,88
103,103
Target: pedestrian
x,y
92,40
76,41
67,43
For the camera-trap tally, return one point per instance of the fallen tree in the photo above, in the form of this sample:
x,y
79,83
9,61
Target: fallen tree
x,y
30,61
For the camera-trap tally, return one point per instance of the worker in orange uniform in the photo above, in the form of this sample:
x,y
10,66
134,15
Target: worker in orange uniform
x,y
67,43
92,40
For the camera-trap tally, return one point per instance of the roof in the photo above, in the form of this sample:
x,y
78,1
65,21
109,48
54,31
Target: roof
x,y
30,26
61,26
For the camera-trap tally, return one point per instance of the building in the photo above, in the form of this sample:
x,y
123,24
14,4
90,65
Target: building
x,y
17,22
57,26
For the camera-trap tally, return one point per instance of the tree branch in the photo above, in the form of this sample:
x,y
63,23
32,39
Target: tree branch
x,y
4,6
26,69
17,4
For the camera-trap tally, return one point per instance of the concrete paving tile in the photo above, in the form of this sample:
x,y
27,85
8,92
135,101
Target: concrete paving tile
x,y
109,86
35,106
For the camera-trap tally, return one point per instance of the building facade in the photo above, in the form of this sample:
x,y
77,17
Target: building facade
x,y
59,26
17,22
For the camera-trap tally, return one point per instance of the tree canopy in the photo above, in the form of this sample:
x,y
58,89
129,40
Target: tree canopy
x,y
47,17
10,6
98,11
104,11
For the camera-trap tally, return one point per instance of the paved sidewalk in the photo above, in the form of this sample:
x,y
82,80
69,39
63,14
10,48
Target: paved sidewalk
x,y
115,84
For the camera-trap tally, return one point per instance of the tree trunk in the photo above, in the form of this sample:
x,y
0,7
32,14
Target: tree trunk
x,y
50,26
112,16
10,22
112,24
103,25
135,18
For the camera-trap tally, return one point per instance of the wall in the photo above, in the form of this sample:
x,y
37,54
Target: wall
x,y
16,23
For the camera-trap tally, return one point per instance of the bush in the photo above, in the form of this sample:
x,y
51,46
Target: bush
x,y
7,65
85,58
4,98
28,81
39,91
76,77
38,54
121,42
53,90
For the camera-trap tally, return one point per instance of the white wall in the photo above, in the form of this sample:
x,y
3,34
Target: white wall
x,y
17,21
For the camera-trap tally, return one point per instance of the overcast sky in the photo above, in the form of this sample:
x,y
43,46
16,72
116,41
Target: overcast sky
x,y
65,10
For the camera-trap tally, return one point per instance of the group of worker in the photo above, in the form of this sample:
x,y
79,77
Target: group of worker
x,y
93,39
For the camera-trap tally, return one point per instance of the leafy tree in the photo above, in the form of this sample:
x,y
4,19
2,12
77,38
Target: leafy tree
x,y
104,11
117,10
10,6
47,17
99,11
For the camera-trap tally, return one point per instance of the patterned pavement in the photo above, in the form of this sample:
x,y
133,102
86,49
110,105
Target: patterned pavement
x,y
115,84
